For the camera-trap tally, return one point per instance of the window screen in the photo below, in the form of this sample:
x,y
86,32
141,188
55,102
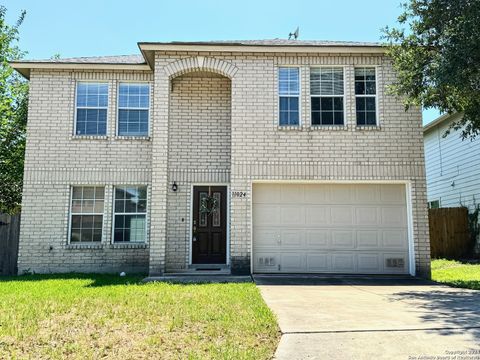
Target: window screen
x,y
365,96
289,93
133,109
326,90
91,108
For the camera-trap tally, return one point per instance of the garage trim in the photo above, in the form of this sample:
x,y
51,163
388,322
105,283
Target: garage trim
x,y
408,194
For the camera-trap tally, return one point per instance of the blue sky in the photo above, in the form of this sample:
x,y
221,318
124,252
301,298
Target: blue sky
x,y
108,27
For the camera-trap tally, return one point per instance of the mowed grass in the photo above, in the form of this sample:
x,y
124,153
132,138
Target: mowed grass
x,y
456,273
79,316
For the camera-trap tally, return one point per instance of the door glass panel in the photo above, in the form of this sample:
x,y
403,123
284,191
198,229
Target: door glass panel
x,y
202,216
216,213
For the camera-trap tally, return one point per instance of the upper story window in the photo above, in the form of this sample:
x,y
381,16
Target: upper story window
x,y
91,108
133,109
327,90
365,96
289,95
86,214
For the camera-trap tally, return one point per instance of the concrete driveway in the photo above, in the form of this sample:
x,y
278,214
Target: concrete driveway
x,y
372,318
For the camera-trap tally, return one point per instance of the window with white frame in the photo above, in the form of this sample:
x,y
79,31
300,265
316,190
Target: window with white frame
x,y
91,108
327,91
130,214
133,109
365,96
86,214
435,204
289,95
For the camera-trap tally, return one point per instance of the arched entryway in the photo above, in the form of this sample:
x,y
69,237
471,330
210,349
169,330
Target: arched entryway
x,y
199,157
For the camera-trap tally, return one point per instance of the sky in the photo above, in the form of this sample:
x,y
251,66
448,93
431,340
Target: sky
x,y
108,27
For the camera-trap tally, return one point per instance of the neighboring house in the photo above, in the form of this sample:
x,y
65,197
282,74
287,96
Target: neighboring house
x,y
452,165
246,156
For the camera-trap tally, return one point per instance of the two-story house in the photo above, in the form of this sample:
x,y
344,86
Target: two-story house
x,y
271,156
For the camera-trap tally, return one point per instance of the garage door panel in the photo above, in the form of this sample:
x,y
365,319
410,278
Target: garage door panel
x,y
394,239
369,263
367,216
267,215
292,262
343,239
393,216
317,215
343,262
367,239
292,215
318,262
315,194
267,193
367,194
265,237
340,194
292,238
395,256
317,238
330,228
341,215
266,261
291,194
393,194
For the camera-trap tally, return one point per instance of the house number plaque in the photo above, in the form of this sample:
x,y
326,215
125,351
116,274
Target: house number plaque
x,y
239,194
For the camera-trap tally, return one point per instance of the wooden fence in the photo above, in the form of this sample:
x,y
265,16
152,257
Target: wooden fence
x,y
449,233
9,236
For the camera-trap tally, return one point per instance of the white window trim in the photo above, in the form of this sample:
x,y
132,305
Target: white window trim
x,y
299,96
112,241
377,120
71,214
329,96
127,108
90,107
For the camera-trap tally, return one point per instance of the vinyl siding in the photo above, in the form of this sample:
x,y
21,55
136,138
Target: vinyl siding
x,y
449,160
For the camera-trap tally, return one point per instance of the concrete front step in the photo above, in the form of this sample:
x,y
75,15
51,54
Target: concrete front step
x,y
193,278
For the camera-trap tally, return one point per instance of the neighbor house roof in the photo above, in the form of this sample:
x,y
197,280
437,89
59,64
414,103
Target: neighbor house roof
x,y
145,60
438,121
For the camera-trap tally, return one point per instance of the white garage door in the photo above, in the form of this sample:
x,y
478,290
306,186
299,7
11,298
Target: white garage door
x,y
338,228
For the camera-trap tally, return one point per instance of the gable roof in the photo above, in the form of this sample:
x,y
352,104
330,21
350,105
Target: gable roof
x,y
439,121
145,60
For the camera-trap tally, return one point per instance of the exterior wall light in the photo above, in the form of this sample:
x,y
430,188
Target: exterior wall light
x,y
174,187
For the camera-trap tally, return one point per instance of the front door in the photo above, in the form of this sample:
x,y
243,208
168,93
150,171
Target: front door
x,y
209,228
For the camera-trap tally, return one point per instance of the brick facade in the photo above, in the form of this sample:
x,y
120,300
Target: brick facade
x,y
234,99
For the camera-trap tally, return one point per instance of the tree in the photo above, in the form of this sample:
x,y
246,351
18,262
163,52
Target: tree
x,y
437,58
13,117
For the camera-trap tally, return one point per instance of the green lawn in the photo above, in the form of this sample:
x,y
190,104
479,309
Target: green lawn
x,y
456,273
80,316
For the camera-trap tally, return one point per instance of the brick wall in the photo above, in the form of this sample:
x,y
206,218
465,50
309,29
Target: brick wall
x,y
199,152
55,160
260,150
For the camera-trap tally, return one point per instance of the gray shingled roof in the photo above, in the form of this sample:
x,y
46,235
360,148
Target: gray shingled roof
x,y
120,59
276,42
138,59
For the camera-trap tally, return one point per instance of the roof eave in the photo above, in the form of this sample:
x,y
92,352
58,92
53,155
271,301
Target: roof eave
x,y
439,120
229,47
25,67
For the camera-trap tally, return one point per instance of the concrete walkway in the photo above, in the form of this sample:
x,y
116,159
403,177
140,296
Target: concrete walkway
x,y
372,318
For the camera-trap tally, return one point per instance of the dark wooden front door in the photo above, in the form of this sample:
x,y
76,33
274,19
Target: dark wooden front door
x,y
209,240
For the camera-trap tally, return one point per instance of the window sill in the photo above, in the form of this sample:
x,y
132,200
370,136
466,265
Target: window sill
x,y
329,127
128,137
368,127
128,246
289,127
88,137
84,246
